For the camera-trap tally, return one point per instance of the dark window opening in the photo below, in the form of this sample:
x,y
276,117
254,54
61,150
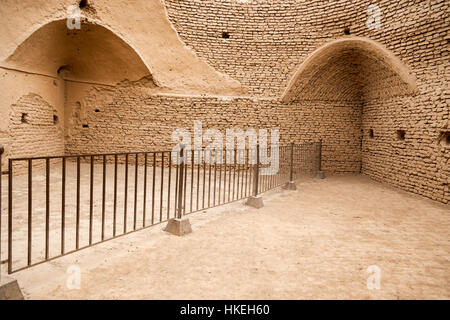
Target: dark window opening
x,y
55,119
24,118
347,31
371,134
401,134
85,126
83,4
225,35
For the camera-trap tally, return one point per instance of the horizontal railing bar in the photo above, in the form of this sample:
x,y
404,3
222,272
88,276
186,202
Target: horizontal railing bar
x,y
85,155
86,247
129,153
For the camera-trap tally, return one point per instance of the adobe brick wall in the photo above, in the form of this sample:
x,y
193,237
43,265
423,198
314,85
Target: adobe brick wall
x,y
130,120
268,40
34,130
420,162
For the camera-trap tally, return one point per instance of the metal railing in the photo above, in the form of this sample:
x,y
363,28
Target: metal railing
x,y
63,204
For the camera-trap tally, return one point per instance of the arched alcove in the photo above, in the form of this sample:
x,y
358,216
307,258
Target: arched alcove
x,y
350,69
92,53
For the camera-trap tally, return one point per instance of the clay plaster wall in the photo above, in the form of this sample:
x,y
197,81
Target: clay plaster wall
x,y
142,24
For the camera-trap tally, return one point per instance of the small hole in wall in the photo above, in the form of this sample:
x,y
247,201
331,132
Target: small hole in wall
x,y
97,110
401,134
61,69
24,118
83,4
55,119
85,126
55,83
225,35
371,134
444,138
347,31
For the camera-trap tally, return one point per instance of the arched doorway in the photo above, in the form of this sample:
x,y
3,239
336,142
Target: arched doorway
x,y
92,53
350,69
337,80
56,67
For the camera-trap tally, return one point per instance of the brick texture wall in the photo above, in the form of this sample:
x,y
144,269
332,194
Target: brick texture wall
x,y
128,120
261,43
269,40
35,128
420,162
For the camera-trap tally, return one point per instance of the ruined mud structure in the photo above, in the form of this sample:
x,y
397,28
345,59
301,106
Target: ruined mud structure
x,y
137,70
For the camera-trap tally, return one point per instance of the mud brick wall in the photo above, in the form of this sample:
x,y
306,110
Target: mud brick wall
x,y
418,35
419,161
269,39
129,121
35,128
262,43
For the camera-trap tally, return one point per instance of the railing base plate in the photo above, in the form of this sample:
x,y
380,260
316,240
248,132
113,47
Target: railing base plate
x,y
320,175
290,186
255,202
10,290
178,227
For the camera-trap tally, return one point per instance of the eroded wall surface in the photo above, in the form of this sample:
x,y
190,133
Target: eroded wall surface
x,y
228,63
33,121
38,100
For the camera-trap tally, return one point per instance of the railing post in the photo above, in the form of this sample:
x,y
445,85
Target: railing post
x,y
290,185
255,201
180,184
180,226
9,288
256,173
320,155
1,176
10,173
320,173
291,175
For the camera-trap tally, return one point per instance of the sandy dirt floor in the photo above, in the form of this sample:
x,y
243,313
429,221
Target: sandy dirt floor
x,y
313,243
206,188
